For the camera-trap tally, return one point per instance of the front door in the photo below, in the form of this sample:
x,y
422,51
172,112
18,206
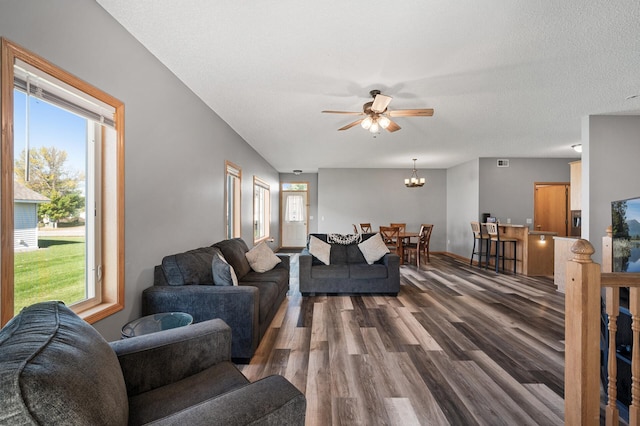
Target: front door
x,y
294,218
551,208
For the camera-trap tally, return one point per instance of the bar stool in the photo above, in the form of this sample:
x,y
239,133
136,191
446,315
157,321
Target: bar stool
x,y
481,241
494,237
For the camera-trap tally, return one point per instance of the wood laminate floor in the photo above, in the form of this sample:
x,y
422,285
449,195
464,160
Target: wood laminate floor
x,y
458,346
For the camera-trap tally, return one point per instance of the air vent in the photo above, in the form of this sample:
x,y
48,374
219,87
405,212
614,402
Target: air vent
x,y
502,162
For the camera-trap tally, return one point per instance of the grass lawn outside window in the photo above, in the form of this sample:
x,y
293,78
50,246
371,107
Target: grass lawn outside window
x,y
53,272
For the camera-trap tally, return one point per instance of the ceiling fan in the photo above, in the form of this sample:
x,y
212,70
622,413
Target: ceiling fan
x,y
377,115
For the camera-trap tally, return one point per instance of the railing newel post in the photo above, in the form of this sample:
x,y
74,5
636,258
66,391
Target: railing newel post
x,y
582,339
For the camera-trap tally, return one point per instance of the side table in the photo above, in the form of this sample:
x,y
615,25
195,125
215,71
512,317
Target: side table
x,y
155,322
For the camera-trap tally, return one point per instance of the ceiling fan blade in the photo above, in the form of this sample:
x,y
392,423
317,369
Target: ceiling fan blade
x,y
393,126
426,112
350,125
380,103
343,112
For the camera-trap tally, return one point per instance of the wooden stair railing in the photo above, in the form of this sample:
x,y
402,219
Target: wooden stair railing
x,y
582,336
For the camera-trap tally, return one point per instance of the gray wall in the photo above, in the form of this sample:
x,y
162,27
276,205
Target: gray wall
x,y
610,158
378,196
507,192
175,146
312,180
463,197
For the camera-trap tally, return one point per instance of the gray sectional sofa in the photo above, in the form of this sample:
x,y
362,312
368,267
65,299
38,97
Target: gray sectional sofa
x,y
348,271
184,283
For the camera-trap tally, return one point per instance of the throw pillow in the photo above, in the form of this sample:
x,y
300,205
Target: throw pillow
x,y
223,273
320,249
373,249
261,258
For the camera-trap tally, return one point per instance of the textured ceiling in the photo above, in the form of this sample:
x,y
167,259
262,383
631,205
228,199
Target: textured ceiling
x,y
506,78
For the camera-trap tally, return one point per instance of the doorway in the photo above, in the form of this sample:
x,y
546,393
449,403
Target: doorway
x,y
551,207
294,214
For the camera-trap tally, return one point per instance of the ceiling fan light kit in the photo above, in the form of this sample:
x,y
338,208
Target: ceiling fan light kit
x,y
414,181
377,115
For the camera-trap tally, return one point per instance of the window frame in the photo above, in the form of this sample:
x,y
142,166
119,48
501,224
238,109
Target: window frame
x,y
261,185
232,171
111,233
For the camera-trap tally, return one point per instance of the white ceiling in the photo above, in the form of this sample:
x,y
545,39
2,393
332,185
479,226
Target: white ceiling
x,y
506,78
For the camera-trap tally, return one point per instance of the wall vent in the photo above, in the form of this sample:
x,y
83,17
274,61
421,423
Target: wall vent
x,y
503,162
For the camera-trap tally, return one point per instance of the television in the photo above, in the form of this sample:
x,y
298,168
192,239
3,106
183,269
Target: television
x,y
625,220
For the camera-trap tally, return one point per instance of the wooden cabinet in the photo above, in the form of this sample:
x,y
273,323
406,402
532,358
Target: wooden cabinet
x,y
576,185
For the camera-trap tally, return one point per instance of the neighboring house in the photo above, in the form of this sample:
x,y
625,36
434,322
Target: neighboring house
x,y
25,224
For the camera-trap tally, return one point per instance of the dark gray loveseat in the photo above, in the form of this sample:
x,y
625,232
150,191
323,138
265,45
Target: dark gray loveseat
x,y
56,369
184,283
348,271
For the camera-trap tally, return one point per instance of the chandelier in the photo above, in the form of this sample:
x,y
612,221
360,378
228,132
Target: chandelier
x,y
414,181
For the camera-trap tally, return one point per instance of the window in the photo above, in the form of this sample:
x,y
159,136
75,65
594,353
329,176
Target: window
x,y
233,195
74,176
261,210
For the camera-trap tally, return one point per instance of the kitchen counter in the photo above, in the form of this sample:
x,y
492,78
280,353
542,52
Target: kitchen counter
x,y
535,249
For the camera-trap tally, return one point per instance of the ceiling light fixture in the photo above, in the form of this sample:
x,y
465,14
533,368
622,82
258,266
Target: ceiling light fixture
x,y
383,121
577,147
375,122
297,172
367,122
414,181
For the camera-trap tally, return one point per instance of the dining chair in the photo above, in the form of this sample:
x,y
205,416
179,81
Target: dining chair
x,y
391,237
480,242
355,229
425,239
419,247
365,228
402,226
412,249
493,230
